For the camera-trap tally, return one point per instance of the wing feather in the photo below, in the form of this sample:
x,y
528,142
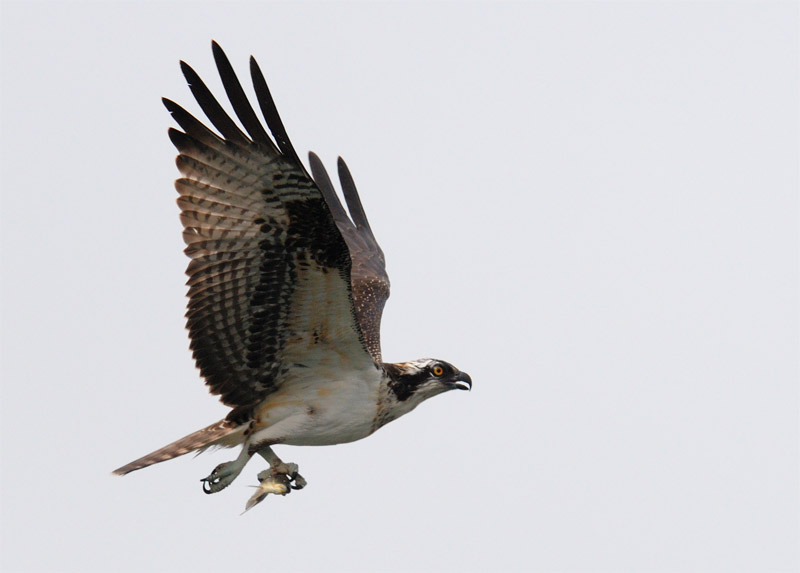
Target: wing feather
x,y
215,198
211,107
370,282
270,112
241,105
325,185
193,126
354,201
269,275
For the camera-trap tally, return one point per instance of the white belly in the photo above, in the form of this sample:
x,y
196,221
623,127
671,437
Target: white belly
x,y
308,411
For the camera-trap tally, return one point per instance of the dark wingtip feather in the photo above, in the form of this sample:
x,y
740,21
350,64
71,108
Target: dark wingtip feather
x,y
211,107
170,105
217,50
325,185
178,138
270,111
351,196
190,124
241,105
188,72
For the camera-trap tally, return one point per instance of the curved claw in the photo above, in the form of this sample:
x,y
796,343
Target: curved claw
x,y
299,481
218,479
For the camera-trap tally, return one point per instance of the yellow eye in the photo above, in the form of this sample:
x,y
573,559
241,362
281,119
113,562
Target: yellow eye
x,y
438,370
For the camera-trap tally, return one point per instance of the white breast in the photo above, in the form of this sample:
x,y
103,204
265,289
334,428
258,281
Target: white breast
x,y
320,406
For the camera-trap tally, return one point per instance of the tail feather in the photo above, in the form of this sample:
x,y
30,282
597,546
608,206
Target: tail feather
x,y
199,440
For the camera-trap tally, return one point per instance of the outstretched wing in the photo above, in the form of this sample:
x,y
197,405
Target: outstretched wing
x,y
269,277
368,277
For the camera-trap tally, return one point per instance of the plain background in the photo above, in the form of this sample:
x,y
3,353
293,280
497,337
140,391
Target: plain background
x,y
590,207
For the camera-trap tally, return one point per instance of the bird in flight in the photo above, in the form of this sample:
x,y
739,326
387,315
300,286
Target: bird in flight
x,y
286,293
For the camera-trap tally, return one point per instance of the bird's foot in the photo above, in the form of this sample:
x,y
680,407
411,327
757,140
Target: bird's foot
x,y
222,476
290,471
280,479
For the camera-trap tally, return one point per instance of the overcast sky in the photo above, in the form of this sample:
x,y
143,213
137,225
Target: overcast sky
x,y
592,208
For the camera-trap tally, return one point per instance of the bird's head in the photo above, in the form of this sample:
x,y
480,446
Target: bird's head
x,y
416,381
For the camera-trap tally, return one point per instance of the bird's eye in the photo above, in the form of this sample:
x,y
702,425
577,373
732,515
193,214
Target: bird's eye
x,y
438,370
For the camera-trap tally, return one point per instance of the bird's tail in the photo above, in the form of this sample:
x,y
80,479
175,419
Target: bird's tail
x,y
212,435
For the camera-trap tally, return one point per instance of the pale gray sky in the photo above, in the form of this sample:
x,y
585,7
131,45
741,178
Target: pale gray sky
x,y
592,208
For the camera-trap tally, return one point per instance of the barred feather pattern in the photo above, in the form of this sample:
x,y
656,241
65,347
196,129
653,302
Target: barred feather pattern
x,y
269,277
198,440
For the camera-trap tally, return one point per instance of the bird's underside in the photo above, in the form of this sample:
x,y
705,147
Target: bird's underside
x,y
286,292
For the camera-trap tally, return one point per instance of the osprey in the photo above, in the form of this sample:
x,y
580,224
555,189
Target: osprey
x,y
286,293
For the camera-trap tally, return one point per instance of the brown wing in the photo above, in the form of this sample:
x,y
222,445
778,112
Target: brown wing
x,y
269,279
368,277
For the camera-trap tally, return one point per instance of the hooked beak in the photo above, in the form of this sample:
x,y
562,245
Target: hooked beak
x,y
462,381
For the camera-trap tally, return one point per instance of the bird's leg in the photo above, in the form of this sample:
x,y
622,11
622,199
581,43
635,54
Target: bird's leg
x,y
224,474
276,480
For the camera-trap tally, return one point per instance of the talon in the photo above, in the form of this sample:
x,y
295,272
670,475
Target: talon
x,y
290,470
220,478
299,481
294,476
